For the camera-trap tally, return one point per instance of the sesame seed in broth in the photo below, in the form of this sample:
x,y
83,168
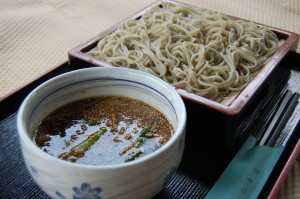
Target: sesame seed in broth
x,y
103,130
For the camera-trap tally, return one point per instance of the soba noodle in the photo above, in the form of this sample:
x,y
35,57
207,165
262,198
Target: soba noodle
x,y
200,51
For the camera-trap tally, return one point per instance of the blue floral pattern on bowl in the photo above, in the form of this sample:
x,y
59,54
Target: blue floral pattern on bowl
x,y
84,192
34,171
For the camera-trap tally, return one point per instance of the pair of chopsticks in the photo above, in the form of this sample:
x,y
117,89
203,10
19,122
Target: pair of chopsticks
x,y
279,119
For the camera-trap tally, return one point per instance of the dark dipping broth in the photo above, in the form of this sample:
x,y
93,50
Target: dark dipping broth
x,y
103,130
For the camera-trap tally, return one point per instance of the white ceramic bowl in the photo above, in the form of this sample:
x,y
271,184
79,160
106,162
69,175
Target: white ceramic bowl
x,y
141,178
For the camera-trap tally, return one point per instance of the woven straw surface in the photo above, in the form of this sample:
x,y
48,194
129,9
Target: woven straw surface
x,y
36,35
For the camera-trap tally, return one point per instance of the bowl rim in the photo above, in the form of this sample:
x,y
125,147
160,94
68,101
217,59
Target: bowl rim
x,y
25,138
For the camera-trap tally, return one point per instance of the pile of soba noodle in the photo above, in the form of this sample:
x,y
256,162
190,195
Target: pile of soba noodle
x,y
200,51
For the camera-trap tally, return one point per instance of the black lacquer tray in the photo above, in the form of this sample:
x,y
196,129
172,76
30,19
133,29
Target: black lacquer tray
x,y
203,162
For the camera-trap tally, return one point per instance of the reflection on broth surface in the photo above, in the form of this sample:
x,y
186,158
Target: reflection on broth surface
x,y
103,130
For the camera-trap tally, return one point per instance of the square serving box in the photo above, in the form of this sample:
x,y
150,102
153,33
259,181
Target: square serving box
x,y
225,123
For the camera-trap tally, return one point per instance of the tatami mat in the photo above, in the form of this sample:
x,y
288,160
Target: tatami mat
x,y
36,35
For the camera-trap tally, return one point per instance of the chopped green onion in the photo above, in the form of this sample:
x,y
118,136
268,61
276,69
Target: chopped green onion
x,y
93,123
79,150
144,132
134,156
